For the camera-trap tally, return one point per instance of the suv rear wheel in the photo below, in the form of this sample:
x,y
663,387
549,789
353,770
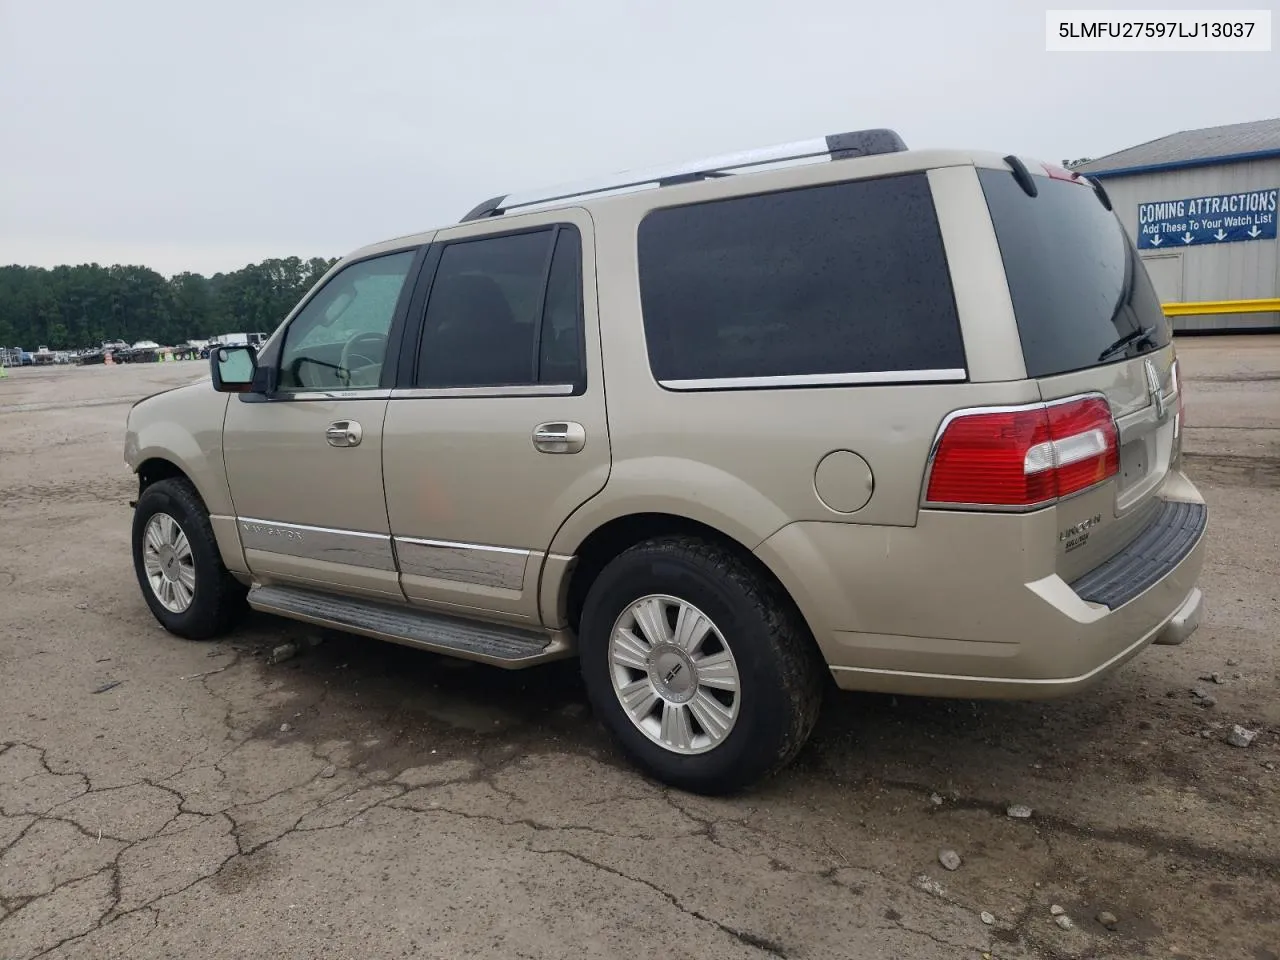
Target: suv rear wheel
x,y
699,666
176,559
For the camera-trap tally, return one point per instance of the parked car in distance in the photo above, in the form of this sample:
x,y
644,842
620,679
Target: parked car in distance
x,y
144,351
901,421
254,340
223,340
190,349
116,350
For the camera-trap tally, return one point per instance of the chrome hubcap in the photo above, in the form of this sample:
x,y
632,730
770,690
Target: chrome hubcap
x,y
169,565
674,674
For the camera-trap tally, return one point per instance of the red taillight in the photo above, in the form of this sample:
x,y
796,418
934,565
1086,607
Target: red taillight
x,y
981,459
1024,457
1085,442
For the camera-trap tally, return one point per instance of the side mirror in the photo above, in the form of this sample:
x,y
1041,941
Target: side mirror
x,y
233,368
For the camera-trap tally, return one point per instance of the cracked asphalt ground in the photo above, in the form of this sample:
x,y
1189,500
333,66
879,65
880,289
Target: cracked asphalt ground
x,y
366,800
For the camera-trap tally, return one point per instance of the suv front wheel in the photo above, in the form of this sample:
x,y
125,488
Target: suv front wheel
x,y
698,664
176,559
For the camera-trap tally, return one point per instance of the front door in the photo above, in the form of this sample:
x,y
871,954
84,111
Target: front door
x,y
499,432
305,462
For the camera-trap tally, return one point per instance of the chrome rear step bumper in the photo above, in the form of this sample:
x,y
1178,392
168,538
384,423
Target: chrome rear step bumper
x,y
1184,621
1172,534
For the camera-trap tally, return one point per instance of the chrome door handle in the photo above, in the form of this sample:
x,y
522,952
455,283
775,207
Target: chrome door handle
x,y
559,437
344,433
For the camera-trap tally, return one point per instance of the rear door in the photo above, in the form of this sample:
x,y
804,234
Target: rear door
x,y
498,431
1090,321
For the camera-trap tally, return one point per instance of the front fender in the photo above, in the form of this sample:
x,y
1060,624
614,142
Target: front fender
x,y
183,427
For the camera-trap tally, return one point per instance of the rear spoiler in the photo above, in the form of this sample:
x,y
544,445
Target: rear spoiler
x,y
1022,174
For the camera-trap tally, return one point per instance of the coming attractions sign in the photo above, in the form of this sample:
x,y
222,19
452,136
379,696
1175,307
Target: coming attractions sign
x,y
1225,218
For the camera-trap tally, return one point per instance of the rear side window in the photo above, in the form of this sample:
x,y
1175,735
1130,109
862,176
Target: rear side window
x,y
1077,284
840,279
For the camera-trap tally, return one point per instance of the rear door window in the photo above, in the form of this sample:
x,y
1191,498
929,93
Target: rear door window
x,y
560,345
835,283
505,311
1077,283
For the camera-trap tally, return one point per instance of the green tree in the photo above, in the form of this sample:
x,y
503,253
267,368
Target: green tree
x,y
191,306
79,306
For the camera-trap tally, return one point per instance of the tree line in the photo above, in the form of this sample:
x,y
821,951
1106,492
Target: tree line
x,y
66,308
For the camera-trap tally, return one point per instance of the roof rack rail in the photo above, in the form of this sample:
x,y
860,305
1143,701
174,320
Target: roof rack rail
x,y
836,146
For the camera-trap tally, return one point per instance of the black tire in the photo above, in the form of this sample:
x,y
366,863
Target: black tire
x,y
218,599
781,674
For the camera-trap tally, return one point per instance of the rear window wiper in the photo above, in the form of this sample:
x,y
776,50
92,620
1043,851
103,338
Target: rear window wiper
x,y
1136,337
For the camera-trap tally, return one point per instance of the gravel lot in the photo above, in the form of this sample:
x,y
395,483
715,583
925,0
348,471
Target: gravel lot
x,y
161,799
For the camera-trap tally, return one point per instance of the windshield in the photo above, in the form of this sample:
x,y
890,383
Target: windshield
x,y
1080,293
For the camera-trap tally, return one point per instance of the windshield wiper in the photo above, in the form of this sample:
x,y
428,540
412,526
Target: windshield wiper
x,y
1136,337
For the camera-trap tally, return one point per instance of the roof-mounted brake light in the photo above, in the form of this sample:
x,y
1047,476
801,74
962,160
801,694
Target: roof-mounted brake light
x,y
1071,176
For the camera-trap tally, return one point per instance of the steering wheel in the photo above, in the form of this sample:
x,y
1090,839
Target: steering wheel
x,y
372,359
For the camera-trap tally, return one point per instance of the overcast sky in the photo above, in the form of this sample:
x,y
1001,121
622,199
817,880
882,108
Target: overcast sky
x,y
203,136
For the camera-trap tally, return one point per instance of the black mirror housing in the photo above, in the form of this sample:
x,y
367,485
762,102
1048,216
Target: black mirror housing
x,y
234,368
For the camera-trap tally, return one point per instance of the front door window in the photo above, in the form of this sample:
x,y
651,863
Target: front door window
x,y
339,339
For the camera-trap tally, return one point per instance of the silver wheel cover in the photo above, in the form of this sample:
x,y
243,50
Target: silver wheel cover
x,y
674,674
168,563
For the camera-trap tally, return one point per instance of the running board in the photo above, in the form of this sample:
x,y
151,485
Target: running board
x,y
502,646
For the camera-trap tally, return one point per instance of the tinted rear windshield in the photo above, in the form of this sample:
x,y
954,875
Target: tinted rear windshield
x,y
825,281
1078,286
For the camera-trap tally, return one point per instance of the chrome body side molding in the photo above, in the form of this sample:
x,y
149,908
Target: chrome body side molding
x,y
349,547
501,567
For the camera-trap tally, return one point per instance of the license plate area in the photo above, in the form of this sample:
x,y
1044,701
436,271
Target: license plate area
x,y
1135,462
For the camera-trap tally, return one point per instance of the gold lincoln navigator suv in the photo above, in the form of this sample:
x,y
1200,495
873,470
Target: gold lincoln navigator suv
x,y
834,410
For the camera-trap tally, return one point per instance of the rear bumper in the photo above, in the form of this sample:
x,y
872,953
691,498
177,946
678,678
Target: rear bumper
x,y
958,606
1184,622
1176,630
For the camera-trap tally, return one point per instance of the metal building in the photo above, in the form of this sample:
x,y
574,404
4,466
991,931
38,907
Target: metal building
x,y
1201,206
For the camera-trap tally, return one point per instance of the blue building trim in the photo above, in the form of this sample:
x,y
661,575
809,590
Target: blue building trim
x,y
1182,164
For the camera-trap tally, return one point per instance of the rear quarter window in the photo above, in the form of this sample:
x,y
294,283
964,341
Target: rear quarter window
x,y
1076,281
840,279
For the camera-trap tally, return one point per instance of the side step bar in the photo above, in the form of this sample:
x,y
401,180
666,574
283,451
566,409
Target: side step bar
x,y
501,646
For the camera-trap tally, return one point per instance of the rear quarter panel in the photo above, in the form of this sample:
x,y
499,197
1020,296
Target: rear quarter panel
x,y
744,461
